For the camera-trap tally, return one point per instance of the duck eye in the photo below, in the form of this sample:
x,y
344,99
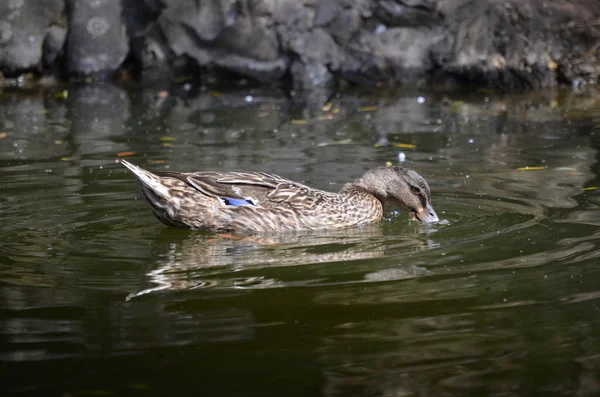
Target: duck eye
x,y
419,193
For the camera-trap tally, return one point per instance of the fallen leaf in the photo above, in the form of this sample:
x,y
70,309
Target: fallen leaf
x,y
388,163
66,158
214,93
325,117
367,108
336,111
591,188
527,168
327,107
167,144
156,161
64,94
125,154
167,138
299,121
405,145
3,135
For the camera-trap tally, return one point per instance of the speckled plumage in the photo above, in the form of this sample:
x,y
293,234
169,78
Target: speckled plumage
x,y
265,202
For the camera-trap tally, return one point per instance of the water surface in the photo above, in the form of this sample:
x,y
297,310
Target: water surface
x,y
501,299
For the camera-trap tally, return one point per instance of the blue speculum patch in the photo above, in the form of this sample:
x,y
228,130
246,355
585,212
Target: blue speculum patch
x,y
236,202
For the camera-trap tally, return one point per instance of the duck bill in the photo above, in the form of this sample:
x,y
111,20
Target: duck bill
x,y
427,215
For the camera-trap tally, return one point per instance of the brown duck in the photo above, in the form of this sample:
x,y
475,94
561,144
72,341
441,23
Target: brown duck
x,y
260,202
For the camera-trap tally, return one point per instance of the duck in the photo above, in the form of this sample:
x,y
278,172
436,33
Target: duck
x,y
260,202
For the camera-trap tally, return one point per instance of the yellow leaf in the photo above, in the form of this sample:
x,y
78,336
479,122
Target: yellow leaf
x,y
405,145
552,65
321,118
367,108
58,142
167,144
299,121
3,135
388,163
327,107
591,188
64,94
527,168
66,158
125,154
336,111
167,138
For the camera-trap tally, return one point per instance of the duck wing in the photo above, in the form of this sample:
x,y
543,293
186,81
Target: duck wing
x,y
243,188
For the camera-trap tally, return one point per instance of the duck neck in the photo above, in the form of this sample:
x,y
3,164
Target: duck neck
x,y
361,187
370,185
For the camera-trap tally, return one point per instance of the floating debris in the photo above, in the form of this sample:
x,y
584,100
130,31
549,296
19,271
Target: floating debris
x,y
325,117
401,157
405,145
347,141
249,98
156,161
125,154
420,99
3,135
163,94
66,158
527,168
367,108
335,111
64,94
166,138
299,121
327,107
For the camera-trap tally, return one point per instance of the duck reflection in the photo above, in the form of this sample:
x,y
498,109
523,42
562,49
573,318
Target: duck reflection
x,y
228,261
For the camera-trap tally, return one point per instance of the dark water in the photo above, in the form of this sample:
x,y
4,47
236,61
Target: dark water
x,y
501,299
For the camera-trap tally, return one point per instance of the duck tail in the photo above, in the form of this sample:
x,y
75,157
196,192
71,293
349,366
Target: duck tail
x,y
147,179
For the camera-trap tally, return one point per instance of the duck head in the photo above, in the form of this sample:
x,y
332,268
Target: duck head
x,y
403,188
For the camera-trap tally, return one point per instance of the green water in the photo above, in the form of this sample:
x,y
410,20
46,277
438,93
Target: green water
x,y
501,299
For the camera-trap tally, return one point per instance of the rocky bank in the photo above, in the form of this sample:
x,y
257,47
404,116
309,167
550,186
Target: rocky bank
x,y
308,44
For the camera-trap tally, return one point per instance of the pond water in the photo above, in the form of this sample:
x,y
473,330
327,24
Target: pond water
x,y
501,299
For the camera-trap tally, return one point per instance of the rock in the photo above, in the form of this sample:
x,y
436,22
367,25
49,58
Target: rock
x,y
516,44
23,26
492,43
228,34
96,41
53,44
307,76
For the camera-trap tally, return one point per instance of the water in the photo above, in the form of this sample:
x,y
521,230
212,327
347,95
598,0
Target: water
x,y
500,299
